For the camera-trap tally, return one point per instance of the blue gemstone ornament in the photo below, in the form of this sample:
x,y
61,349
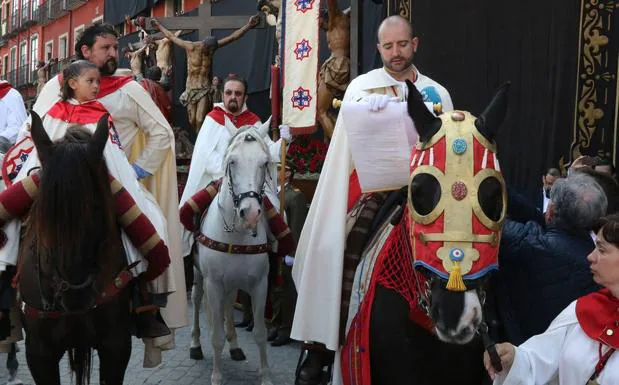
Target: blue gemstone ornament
x,y
456,254
459,146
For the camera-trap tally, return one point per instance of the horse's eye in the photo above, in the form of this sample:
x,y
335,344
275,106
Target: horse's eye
x,y
490,196
425,193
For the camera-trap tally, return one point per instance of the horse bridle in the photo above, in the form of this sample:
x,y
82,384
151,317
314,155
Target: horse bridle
x,y
237,198
424,301
59,285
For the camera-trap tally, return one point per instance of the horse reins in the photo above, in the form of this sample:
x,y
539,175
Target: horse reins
x,y
230,248
110,291
424,302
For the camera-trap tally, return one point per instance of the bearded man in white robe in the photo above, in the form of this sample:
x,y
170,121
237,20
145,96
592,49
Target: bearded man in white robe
x,y
219,126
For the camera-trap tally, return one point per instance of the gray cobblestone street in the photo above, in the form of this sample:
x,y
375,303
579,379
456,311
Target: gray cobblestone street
x,y
177,368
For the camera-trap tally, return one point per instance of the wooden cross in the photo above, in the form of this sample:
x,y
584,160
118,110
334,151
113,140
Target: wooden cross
x,y
204,22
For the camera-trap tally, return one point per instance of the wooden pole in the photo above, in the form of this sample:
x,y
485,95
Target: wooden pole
x,y
282,178
275,115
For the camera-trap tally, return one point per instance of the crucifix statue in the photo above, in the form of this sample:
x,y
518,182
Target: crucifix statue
x,y
197,97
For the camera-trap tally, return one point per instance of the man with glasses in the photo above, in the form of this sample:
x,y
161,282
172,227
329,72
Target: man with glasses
x,y
219,126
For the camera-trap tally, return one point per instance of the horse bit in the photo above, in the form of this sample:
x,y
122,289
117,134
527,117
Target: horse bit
x,y
424,302
237,198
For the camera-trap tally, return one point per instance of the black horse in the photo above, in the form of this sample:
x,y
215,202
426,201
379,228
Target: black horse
x,y
72,257
402,351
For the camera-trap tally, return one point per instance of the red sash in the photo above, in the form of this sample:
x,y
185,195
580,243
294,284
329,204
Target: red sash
x,y
245,118
85,113
4,89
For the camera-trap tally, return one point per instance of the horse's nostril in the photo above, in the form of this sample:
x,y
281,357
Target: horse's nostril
x,y
242,213
259,211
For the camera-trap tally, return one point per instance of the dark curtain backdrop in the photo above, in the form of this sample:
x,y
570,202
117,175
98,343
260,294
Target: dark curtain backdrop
x,y
470,47
116,10
473,46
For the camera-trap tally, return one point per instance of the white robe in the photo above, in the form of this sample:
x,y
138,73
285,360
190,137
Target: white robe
x,y
562,355
317,271
207,164
12,114
119,168
148,141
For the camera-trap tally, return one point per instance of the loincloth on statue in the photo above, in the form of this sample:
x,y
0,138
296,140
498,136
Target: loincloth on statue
x,y
335,74
194,95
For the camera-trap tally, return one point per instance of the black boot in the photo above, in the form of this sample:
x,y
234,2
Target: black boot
x,y
150,324
310,370
7,297
148,320
243,324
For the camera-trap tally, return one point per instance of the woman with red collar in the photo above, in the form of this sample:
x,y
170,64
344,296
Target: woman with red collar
x,y
579,347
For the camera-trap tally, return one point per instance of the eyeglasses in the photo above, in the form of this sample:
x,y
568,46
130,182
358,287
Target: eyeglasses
x,y
236,93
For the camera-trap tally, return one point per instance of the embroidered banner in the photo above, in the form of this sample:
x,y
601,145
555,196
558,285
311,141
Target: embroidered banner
x,y
300,64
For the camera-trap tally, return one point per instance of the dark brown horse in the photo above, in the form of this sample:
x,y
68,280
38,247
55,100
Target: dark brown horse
x,y
71,259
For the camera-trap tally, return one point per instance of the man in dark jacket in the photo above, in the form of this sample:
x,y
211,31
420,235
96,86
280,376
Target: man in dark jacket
x,y
544,268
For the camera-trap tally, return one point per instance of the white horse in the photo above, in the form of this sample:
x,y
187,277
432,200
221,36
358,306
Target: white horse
x,y
235,218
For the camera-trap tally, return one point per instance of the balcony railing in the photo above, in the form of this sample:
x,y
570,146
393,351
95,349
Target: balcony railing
x,y
29,18
10,77
34,77
37,14
72,4
24,76
53,9
15,23
4,30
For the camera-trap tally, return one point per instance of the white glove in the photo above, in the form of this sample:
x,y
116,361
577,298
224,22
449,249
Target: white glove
x,y
378,101
288,260
284,132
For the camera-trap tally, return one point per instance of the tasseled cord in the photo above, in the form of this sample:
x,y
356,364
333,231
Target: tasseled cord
x,y
455,282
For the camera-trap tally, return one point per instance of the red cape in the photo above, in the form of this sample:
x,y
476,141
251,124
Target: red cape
x,y
4,89
245,118
598,313
86,113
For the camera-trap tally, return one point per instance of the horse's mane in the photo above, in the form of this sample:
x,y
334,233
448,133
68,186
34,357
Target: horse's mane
x,y
74,208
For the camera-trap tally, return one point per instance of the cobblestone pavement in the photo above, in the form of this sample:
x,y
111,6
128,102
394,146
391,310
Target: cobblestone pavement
x,y
178,369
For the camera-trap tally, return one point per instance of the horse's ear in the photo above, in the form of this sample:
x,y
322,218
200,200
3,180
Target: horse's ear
x,y
263,129
99,138
426,123
41,140
490,120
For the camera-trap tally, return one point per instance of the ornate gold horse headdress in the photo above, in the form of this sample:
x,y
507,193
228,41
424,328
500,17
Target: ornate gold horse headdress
x,y
457,198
